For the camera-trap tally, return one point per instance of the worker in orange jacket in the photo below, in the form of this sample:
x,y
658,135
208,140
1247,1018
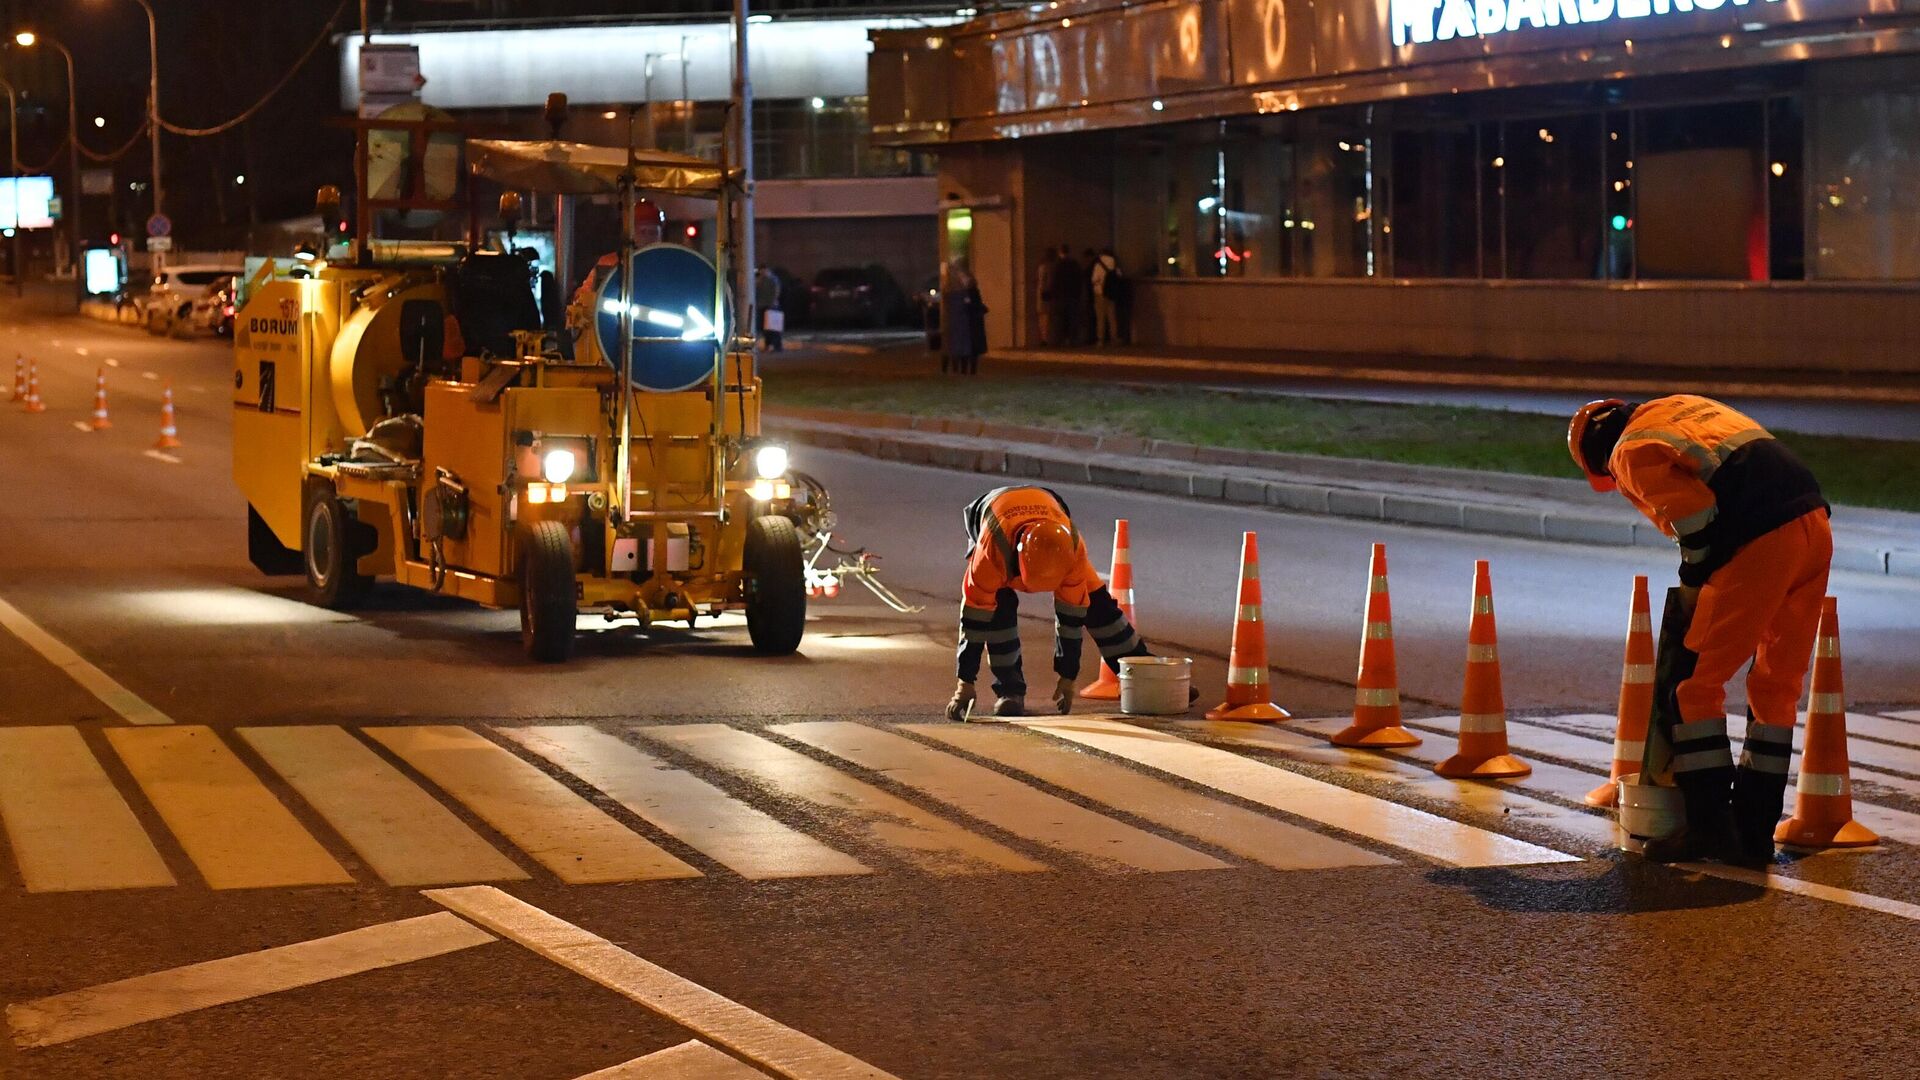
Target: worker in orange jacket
x,y
1023,540
1755,549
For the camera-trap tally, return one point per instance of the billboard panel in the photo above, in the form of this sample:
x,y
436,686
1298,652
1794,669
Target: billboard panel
x,y
26,202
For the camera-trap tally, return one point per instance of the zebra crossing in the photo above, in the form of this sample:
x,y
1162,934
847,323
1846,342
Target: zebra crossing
x,y
261,807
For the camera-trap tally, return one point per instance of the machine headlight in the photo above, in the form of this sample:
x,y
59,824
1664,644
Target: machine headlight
x,y
558,465
770,462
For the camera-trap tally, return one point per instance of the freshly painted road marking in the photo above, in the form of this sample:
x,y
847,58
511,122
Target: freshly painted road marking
x,y
151,376
698,814
1436,837
1866,901
1279,844
96,682
402,832
226,820
162,456
1890,822
83,427
567,834
691,1060
1601,727
1499,799
111,362
1867,752
82,350
718,1019
930,842
998,800
68,826
111,1006
1885,729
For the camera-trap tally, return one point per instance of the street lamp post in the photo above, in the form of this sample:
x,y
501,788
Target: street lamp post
x,y
28,39
153,107
13,159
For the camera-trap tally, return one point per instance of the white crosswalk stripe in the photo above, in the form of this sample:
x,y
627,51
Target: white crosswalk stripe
x,y
268,807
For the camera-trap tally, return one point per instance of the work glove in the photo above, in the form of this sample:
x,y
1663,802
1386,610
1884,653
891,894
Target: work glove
x,y
1063,692
962,699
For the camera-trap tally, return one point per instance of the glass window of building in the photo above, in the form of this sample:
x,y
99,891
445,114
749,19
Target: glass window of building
x,y
1699,207
1435,229
1553,202
1864,173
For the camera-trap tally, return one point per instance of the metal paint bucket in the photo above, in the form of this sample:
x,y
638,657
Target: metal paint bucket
x,y
1648,812
1155,685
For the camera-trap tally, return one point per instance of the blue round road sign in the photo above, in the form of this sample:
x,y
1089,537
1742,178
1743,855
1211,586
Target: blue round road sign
x,y
159,225
676,331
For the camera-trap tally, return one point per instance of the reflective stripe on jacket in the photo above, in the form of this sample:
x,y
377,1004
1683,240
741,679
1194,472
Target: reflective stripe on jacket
x,y
1710,478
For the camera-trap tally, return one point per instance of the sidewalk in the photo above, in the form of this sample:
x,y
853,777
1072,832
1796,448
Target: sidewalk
x,y
1865,540
1189,364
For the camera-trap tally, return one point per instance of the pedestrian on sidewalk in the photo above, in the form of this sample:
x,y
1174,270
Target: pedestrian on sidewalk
x,y
1043,279
1084,333
1107,284
1755,550
773,320
966,319
1022,539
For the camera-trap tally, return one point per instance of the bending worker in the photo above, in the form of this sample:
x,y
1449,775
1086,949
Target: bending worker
x,y
1023,540
1755,548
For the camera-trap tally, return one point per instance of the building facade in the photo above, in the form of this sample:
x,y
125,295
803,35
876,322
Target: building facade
x,y
1720,183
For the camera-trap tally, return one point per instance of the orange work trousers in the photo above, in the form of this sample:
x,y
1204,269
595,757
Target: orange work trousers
x,y
1762,606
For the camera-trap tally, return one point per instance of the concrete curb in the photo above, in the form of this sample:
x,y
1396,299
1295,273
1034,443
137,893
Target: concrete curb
x,y
1204,473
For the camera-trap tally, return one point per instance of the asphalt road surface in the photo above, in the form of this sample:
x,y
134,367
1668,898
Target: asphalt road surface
x,y
247,837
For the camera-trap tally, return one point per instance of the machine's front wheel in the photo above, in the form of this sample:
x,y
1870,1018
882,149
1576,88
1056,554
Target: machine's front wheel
x,y
547,603
331,552
776,586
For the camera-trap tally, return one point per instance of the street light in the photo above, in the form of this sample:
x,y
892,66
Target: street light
x,y
13,157
27,39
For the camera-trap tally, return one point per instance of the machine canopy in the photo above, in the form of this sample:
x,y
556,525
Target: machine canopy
x,y
569,168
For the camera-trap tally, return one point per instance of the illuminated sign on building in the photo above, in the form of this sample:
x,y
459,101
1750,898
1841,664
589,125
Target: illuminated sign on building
x,y
1417,22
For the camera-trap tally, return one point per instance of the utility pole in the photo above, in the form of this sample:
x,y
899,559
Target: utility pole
x,y
743,105
153,111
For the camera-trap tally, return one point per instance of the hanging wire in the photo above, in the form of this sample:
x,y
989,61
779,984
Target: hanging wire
x,y
51,158
139,133
326,32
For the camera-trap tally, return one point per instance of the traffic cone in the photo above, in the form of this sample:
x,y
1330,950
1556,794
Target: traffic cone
x,y
1107,686
1823,803
1483,710
33,402
1636,698
1376,699
1248,695
169,435
19,378
100,421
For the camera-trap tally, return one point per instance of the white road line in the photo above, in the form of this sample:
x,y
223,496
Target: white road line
x,y
1281,845
565,833
1867,901
161,455
402,832
96,682
739,837
111,1006
999,800
1601,727
928,841
233,828
757,1038
82,350
1436,837
1867,752
69,828
691,1060
83,427
1909,716
151,376
1500,799
111,362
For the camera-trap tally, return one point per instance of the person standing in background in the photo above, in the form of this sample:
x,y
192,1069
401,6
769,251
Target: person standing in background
x,y
1105,279
773,321
966,322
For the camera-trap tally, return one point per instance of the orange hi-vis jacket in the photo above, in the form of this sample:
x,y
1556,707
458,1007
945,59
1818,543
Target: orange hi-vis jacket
x,y
1710,478
994,522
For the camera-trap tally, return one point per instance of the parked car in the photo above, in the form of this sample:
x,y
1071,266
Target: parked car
x,y
855,296
169,304
213,309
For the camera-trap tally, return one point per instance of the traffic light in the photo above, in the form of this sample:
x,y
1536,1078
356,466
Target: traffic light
x,y
693,232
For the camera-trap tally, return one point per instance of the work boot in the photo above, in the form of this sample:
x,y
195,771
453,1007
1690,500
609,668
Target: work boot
x,y
1758,799
1709,832
1010,706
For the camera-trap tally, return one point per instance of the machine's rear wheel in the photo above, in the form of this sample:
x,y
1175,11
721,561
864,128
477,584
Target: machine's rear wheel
x,y
333,542
547,602
776,586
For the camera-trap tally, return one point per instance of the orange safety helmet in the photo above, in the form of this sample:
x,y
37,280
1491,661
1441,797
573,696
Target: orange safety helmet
x,y
1046,550
1583,424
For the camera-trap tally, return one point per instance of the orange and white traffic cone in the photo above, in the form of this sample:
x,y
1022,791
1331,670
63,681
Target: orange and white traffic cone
x,y
19,378
100,421
1248,695
1483,750
1823,803
1636,698
1120,581
169,434
1376,698
33,403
